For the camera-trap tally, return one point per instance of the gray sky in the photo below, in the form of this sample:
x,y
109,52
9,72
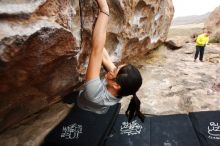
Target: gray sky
x,y
194,7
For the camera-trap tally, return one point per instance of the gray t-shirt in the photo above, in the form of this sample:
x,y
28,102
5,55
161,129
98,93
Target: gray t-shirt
x,y
95,97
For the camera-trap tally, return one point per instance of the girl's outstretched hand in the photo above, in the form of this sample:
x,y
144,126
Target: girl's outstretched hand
x,y
103,6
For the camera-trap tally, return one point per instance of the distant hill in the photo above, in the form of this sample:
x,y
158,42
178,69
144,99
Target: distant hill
x,y
193,19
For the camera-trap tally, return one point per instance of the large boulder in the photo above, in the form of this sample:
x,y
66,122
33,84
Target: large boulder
x,y
135,27
44,46
38,48
213,22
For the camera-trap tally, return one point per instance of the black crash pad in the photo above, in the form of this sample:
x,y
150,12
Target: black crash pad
x,y
172,130
134,133
207,127
82,128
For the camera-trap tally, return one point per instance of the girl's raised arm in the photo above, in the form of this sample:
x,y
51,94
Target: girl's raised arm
x,y
98,41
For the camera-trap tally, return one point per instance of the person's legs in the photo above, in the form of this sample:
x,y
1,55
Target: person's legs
x,y
197,53
201,53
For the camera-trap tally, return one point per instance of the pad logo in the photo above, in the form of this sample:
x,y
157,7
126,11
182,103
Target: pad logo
x,y
132,128
71,132
214,130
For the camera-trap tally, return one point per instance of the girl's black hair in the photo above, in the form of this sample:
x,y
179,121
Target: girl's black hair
x,y
130,80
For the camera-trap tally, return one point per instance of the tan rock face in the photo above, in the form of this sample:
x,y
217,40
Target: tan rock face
x,y
39,42
44,46
134,27
213,22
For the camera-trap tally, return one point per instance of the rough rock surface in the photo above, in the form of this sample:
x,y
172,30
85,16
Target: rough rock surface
x,y
213,22
37,56
44,46
135,27
32,131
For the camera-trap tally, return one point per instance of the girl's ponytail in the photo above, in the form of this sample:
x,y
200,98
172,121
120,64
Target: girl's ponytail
x,y
130,80
134,109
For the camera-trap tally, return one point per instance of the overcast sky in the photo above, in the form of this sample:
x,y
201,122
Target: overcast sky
x,y
194,7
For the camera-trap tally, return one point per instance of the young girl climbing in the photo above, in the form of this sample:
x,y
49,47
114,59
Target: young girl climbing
x,y
98,95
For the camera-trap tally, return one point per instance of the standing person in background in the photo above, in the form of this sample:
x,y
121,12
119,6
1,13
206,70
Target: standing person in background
x,y
201,41
98,95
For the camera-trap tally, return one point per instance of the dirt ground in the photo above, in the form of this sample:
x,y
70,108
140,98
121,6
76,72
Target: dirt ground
x,y
173,83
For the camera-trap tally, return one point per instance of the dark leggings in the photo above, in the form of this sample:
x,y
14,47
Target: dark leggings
x,y
200,52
